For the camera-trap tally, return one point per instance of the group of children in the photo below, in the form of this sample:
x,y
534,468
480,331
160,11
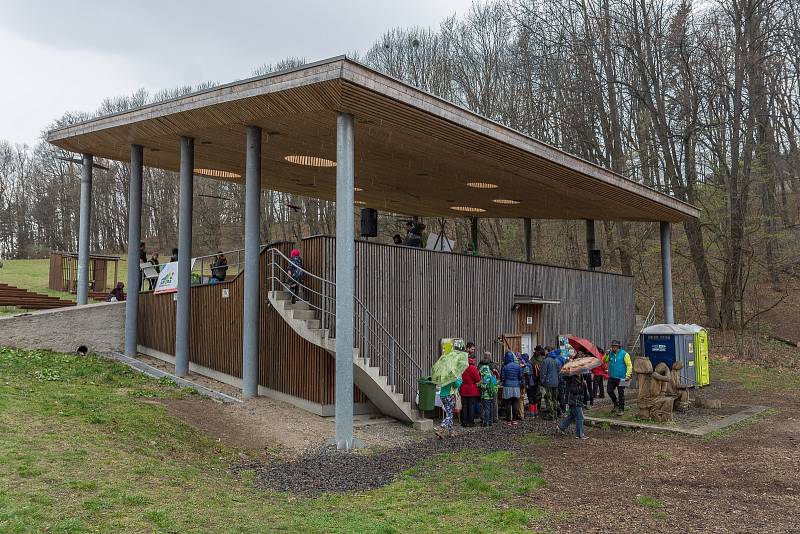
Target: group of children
x,y
536,381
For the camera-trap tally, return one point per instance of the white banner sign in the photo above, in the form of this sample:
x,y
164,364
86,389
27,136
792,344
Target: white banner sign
x,y
167,279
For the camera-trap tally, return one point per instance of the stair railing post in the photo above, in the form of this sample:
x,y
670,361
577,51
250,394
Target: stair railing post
x,y
272,272
366,337
392,381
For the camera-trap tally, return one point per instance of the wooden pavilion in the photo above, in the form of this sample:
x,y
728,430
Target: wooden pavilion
x,y
339,130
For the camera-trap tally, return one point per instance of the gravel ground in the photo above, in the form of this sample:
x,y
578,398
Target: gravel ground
x,y
328,471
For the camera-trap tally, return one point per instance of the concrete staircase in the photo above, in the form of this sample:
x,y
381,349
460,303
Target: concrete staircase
x,y
306,323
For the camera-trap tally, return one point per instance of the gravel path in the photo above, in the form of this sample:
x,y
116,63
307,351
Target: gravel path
x,y
329,471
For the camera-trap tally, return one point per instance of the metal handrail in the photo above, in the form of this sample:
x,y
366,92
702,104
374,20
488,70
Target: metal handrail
x,y
649,320
373,340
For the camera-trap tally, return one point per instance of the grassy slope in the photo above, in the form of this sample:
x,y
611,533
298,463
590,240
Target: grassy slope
x,y
83,448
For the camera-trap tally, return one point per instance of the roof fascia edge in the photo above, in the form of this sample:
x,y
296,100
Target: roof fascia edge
x,y
519,141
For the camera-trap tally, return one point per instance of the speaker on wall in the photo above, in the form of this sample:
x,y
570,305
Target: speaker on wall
x,y
369,222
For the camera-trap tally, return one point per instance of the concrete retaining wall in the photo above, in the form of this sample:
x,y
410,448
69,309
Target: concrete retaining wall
x,y
99,327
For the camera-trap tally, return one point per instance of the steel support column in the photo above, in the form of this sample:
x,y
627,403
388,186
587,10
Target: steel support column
x,y
666,272
183,312
134,237
83,232
528,236
345,264
473,232
590,243
252,267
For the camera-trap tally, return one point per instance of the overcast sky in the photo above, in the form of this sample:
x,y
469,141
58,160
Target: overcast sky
x,y
68,55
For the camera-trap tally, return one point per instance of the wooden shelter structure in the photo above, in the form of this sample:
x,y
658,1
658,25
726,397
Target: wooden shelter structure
x,y
339,130
63,273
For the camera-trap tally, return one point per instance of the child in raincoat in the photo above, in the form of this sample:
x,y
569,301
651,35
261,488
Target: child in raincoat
x,y
488,388
448,395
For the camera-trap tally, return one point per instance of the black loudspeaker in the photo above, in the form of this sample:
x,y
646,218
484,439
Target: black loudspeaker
x,y
369,222
595,259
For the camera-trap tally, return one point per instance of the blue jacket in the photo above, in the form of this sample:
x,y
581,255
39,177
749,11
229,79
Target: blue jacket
x,y
512,373
550,371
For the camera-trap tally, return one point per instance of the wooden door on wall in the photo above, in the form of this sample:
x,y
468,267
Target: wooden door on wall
x,y
529,320
512,342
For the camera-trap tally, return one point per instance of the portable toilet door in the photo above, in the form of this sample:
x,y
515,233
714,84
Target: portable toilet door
x,y
701,358
685,351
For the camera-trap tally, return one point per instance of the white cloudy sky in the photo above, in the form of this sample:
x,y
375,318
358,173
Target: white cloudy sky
x,y
67,55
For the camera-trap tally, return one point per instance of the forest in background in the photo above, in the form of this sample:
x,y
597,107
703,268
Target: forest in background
x,y
698,100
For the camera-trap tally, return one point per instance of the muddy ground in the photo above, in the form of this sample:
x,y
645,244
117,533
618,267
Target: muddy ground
x,y
747,480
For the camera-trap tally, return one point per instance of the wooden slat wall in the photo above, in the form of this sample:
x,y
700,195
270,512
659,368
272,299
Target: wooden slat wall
x,y
287,363
422,296
56,273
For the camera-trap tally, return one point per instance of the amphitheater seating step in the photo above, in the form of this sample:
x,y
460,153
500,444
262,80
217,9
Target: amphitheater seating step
x,y
24,299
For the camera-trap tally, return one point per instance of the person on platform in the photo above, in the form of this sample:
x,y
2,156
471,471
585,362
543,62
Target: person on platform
x,y
619,372
296,274
155,262
219,269
511,376
174,256
470,393
413,236
397,240
117,294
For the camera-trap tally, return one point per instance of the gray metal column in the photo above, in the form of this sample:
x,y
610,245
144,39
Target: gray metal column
x,y
345,264
252,267
666,272
183,313
134,237
590,243
83,232
528,235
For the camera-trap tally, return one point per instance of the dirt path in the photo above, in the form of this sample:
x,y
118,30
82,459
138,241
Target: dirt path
x,y
746,481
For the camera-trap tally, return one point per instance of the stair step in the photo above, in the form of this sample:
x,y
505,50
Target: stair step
x,y
303,314
299,305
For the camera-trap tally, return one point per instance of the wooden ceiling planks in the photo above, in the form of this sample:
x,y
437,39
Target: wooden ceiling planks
x,y
414,151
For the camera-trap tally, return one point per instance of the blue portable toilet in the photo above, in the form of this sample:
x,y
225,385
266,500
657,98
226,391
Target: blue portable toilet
x,y
670,342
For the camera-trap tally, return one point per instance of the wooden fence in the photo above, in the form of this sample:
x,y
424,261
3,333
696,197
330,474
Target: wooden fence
x,y
420,296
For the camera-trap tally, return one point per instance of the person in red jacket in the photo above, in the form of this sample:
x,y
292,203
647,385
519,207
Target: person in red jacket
x,y
470,393
599,373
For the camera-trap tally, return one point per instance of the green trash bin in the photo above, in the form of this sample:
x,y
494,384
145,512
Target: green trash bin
x,y
427,394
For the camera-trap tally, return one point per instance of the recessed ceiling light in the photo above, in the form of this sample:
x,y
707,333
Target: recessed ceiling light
x,y
216,173
310,161
506,201
359,202
481,185
357,189
467,209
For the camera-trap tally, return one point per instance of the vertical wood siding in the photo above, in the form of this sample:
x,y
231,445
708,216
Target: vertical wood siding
x,y
422,296
418,295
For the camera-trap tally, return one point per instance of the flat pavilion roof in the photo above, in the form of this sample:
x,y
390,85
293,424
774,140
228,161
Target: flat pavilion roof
x,y
414,152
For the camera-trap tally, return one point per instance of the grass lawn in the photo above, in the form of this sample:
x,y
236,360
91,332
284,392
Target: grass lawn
x,y
86,447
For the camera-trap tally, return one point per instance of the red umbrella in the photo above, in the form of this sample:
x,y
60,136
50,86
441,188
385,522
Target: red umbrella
x,y
585,344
